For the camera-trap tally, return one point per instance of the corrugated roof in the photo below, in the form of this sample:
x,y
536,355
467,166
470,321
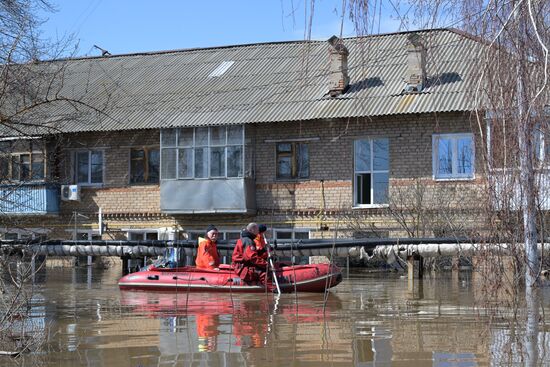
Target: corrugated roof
x,y
266,83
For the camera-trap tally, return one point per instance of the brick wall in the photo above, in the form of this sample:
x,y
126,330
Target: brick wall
x,y
320,202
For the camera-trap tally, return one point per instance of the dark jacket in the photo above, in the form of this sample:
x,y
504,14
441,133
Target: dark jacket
x,y
246,240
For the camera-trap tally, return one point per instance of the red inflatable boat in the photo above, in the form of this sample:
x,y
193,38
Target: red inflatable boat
x,y
300,278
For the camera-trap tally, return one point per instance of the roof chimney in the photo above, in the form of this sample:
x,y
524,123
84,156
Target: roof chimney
x,y
416,64
338,77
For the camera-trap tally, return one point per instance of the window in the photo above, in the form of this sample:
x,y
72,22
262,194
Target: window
x,y
22,167
230,236
371,171
292,161
453,156
289,234
293,235
87,236
202,152
142,235
89,167
144,165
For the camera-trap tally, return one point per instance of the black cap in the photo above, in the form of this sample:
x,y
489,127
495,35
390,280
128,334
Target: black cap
x,y
211,227
262,228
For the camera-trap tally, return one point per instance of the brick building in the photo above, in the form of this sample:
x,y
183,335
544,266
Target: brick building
x,y
352,136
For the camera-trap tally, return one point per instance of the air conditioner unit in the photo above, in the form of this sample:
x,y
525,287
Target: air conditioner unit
x,y
70,192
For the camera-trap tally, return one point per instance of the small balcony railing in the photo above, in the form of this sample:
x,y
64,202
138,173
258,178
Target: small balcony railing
x,y
36,198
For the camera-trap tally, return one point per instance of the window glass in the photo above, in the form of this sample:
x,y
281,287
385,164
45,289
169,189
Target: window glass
x,y
453,156
284,167
445,157
185,163
362,155
201,162
37,166
135,236
380,188
151,236
201,136
169,163
217,162
381,154
217,135
284,147
15,167
292,160
82,162
137,165
302,161
10,236
168,137
185,137
232,236
82,236
301,235
207,152
235,161
235,135
154,166
96,167
25,167
4,167
371,172
284,235
464,152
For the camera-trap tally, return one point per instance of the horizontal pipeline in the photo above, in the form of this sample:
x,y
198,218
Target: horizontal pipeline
x,y
429,250
142,248
386,248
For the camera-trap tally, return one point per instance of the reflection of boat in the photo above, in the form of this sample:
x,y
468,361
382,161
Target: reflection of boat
x,y
300,278
214,320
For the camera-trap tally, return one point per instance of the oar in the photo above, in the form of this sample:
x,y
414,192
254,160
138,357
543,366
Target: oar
x,y
272,266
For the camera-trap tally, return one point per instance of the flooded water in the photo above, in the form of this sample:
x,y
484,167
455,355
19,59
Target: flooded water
x,y
368,320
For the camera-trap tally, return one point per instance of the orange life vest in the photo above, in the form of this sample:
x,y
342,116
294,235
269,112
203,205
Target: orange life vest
x,y
207,255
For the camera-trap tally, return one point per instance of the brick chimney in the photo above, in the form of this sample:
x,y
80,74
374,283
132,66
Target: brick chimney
x,y
416,64
338,77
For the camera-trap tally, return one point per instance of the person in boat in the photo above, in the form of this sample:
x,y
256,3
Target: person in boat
x,y
207,254
250,255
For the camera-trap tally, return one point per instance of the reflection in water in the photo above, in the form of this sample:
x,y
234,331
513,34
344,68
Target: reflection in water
x,y
369,320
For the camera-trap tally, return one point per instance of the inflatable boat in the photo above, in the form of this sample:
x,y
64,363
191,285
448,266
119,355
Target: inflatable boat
x,y
295,278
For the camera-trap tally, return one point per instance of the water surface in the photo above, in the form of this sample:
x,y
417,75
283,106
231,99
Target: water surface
x,y
368,320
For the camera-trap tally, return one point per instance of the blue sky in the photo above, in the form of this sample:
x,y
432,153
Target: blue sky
x,y
126,26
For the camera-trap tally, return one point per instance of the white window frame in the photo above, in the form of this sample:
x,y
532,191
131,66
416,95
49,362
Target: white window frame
x,y
208,147
75,170
222,232
89,232
143,232
356,205
30,232
454,176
